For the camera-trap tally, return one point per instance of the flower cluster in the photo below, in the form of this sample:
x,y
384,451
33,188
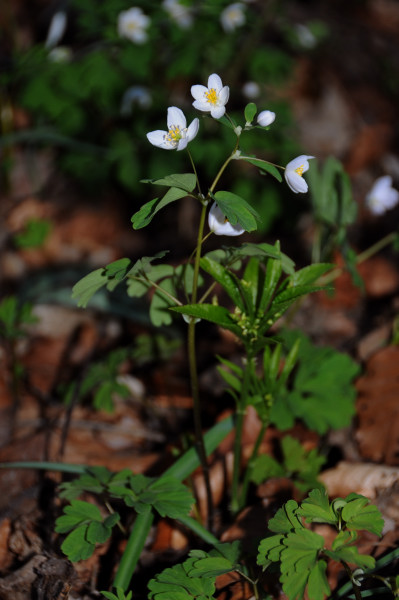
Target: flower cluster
x,y
213,99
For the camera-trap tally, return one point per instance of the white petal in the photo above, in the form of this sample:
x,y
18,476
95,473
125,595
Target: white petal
x,y
57,29
182,143
200,105
224,94
218,112
218,224
176,117
295,182
299,161
266,118
198,91
157,138
214,81
192,130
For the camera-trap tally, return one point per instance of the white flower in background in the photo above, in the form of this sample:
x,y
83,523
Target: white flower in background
x,y
232,16
382,195
179,13
265,118
251,90
305,36
137,94
178,134
56,30
132,24
213,98
220,225
294,171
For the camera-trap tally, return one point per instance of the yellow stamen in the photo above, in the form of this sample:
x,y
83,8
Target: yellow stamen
x,y
299,170
174,134
211,96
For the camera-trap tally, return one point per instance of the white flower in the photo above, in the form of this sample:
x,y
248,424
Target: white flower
x,y
305,36
132,24
212,98
251,90
294,171
178,134
137,94
220,225
232,16
179,13
382,195
265,118
56,30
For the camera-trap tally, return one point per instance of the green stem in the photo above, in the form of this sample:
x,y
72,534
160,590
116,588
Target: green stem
x,y
192,359
195,172
245,484
241,411
385,241
223,167
355,588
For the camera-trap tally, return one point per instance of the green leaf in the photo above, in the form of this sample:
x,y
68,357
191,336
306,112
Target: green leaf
x,y
351,555
76,546
360,515
250,111
266,467
176,583
182,181
225,278
265,166
34,234
161,303
318,585
237,210
172,498
309,274
269,550
285,519
98,533
317,509
146,213
322,393
216,314
108,277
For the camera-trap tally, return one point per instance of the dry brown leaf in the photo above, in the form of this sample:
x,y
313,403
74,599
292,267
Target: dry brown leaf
x,y
378,408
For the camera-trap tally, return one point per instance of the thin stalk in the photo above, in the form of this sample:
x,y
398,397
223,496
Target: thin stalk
x,y
241,411
385,241
245,484
195,172
192,359
223,167
355,588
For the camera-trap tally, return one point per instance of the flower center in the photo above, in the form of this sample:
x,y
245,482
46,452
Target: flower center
x,y
132,26
174,134
299,170
211,96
